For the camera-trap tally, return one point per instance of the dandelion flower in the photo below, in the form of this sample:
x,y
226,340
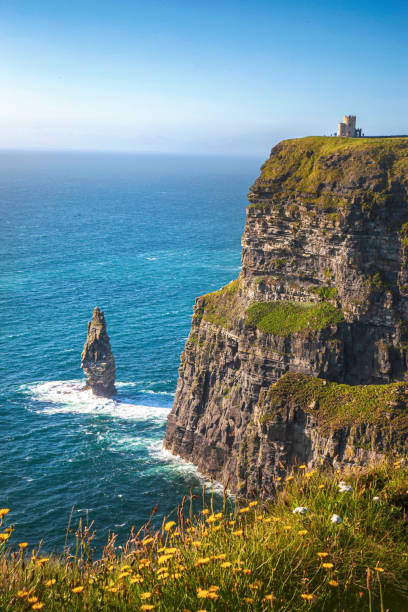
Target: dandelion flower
x,y
42,560
78,589
146,595
379,569
196,543
238,532
4,536
327,565
37,606
252,504
302,467
226,564
320,487
307,596
243,510
170,551
32,600
4,511
322,554
302,532
147,607
247,571
333,583
22,594
169,525
268,597
23,545
300,510
50,582
336,519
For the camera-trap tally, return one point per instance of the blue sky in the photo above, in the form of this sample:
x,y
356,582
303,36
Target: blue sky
x,y
206,77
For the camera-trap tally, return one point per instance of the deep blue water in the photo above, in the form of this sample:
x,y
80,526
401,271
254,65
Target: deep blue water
x,y
140,236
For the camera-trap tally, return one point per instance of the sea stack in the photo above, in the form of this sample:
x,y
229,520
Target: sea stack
x,y
97,359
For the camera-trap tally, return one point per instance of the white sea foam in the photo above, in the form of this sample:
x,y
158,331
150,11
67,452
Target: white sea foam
x,y
67,396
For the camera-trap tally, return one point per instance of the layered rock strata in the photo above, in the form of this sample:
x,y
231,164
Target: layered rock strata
x,y
323,292
97,359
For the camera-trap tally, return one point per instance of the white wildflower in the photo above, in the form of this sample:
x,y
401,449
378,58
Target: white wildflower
x,y
336,519
376,498
300,510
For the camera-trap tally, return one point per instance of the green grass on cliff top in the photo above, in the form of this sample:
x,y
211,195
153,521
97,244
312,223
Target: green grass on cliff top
x,y
223,308
337,405
286,318
305,164
261,557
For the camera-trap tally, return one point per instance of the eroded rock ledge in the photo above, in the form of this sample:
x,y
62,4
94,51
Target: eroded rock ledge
x,y
323,293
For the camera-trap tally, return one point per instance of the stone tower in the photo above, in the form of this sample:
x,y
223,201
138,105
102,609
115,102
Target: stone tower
x,y
348,127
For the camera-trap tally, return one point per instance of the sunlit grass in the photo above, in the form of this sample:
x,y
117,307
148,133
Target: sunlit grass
x,y
285,555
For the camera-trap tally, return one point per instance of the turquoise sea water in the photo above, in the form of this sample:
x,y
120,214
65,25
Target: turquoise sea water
x,y
139,236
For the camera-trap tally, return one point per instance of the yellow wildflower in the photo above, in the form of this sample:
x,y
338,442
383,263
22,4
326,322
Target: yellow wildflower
x,y
252,504
379,569
211,519
78,589
170,551
42,560
249,599
333,583
232,523
302,467
218,515
169,525
50,582
162,549
202,561
287,527
226,564
302,532
146,595
123,575
220,557
147,607
246,571
322,554
23,545
243,510
32,600
289,478
4,536
307,596
268,597
206,511
22,594
4,511
147,541
268,520
196,543
163,559
238,532
327,565
321,486
37,606
136,579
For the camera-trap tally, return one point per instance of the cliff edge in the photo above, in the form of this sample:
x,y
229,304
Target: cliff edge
x,y
322,301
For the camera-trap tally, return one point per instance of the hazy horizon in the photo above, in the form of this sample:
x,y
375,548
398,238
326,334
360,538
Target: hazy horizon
x,y
206,78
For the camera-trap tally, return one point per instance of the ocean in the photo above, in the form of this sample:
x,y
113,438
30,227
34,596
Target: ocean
x,y
140,236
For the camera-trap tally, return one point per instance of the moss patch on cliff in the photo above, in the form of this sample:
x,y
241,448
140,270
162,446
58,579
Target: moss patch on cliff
x,y
220,307
305,164
335,405
286,318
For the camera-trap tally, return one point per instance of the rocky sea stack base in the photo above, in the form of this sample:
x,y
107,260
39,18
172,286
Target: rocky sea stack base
x,y
303,358
97,359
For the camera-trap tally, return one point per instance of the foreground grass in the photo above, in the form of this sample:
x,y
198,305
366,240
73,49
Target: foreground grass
x,y
261,557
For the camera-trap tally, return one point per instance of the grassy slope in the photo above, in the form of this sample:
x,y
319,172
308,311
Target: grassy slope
x,y
337,405
303,164
286,318
261,558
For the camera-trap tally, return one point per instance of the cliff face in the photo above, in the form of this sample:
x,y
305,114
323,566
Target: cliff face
x,y
97,359
323,292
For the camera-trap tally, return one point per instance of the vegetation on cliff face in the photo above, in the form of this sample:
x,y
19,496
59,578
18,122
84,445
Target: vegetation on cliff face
x,y
263,556
336,405
305,164
220,307
286,318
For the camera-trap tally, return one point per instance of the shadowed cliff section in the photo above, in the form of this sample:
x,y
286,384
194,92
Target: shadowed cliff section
x,y
97,359
323,293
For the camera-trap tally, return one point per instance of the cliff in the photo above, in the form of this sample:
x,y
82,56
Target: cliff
x,y
323,293
97,359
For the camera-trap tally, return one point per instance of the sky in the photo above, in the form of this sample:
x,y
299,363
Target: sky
x,y
217,77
